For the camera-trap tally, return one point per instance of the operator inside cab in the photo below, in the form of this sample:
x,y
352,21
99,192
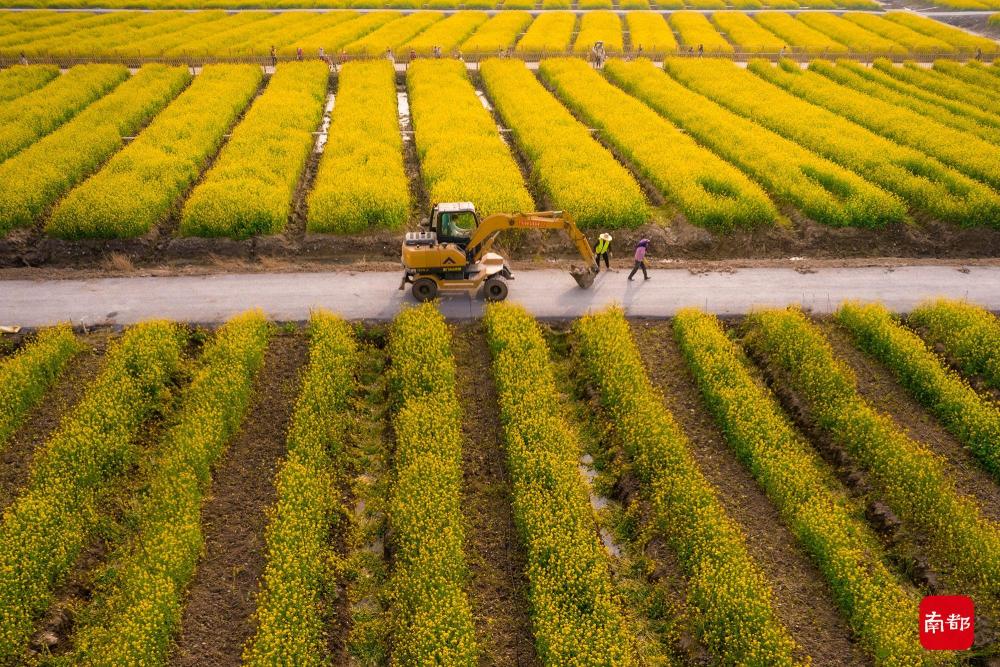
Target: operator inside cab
x,y
455,226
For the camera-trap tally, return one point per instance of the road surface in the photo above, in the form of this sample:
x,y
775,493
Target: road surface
x,y
547,294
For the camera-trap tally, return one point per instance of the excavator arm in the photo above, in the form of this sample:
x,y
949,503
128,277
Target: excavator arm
x,y
491,227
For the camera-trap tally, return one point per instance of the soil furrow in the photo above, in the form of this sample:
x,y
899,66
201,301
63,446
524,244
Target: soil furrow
x,y
879,387
497,563
802,597
43,420
218,616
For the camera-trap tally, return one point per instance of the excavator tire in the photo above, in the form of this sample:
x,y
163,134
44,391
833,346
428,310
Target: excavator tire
x,y
424,289
495,289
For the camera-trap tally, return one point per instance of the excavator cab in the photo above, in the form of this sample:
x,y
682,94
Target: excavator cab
x,y
454,222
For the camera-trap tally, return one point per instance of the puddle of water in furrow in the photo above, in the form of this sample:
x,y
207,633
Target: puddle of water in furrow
x,y
598,502
324,132
489,107
403,108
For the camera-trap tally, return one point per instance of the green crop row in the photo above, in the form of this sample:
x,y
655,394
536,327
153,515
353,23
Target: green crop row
x,y
27,118
45,528
972,419
431,612
500,32
361,181
710,191
40,174
137,606
298,575
137,188
966,153
19,80
462,157
824,191
921,180
649,30
737,618
574,610
969,334
868,81
25,376
571,167
878,607
551,32
912,480
249,189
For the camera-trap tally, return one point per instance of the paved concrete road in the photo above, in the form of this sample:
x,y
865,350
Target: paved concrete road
x,y
547,294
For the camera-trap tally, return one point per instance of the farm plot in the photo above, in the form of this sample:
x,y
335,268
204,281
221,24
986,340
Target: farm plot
x,y
551,32
22,79
968,154
137,188
445,35
649,33
362,181
40,174
695,33
708,190
746,34
498,33
600,26
819,188
154,572
571,168
392,35
249,189
797,35
942,191
462,157
875,84
25,119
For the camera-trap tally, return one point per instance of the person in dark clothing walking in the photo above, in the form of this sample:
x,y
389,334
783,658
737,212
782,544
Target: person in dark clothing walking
x,y
602,250
640,259
274,57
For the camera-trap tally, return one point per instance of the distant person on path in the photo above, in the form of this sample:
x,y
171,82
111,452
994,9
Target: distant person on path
x,y
24,59
274,57
388,56
701,50
298,53
602,250
413,55
640,259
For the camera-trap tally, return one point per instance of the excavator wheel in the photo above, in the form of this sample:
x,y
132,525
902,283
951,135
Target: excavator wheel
x,y
495,289
424,289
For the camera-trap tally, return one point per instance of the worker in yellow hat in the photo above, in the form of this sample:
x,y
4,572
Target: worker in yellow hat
x,y
602,249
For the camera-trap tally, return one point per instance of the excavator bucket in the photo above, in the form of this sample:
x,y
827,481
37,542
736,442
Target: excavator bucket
x,y
583,277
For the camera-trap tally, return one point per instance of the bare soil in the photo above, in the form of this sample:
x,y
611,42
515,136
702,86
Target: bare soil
x,y
218,616
802,598
43,420
497,562
878,386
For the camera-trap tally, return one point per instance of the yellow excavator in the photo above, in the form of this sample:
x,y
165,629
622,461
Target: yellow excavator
x,y
455,253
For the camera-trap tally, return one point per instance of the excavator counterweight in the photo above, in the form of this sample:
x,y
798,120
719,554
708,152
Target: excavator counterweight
x,y
454,253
